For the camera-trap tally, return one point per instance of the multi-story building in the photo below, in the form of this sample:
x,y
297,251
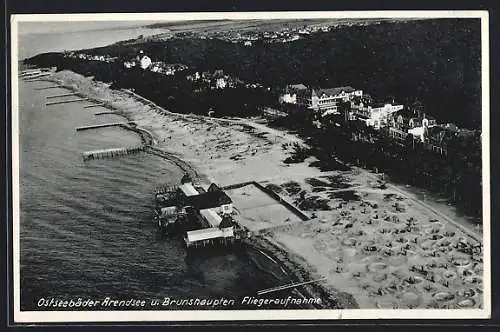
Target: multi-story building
x,y
322,101
380,116
360,107
326,101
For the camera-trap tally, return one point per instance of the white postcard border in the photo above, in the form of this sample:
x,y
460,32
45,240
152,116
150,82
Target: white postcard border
x,y
246,315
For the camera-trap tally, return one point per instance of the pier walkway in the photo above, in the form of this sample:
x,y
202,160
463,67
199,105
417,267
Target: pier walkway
x,y
104,125
111,153
51,87
65,101
34,76
63,95
97,105
103,113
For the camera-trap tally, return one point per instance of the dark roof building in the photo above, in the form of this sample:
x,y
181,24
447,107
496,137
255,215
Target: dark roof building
x,y
333,91
207,200
213,187
186,179
226,222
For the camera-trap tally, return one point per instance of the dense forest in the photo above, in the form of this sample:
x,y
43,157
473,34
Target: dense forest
x,y
435,61
173,92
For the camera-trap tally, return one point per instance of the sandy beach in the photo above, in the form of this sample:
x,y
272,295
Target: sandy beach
x,y
377,246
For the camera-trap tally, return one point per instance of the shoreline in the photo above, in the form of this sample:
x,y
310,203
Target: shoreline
x,y
331,298
234,151
147,138
294,270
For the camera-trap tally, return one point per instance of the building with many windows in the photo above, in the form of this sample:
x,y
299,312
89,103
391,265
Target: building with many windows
x,y
380,116
322,101
327,101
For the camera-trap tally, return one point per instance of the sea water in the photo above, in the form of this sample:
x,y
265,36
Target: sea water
x,y
32,42
86,228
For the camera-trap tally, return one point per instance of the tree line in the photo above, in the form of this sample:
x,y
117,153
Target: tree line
x,y
173,92
437,61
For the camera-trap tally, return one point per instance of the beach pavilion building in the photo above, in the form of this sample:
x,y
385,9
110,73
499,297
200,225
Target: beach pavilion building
x,y
207,213
214,209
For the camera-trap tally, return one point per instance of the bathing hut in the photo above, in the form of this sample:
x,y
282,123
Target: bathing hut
x,y
220,231
217,200
192,206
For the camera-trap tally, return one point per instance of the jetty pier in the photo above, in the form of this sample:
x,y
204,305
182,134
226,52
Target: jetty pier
x,y
104,125
96,105
59,86
64,95
65,101
35,74
111,153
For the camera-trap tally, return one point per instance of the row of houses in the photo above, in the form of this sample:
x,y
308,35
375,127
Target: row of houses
x,y
167,68
355,105
92,57
282,36
141,60
144,62
219,80
215,80
425,129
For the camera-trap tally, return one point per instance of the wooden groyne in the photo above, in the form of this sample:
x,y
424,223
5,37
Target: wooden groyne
x,y
50,87
65,101
104,113
32,71
35,77
104,125
111,153
36,71
98,105
63,95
